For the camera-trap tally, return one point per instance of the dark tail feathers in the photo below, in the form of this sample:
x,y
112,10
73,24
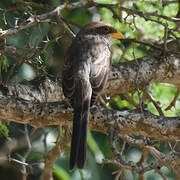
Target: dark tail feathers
x,y
82,98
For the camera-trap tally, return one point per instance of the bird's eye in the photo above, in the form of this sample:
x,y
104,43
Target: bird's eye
x,y
106,29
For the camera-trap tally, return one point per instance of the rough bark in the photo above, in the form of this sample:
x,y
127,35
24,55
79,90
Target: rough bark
x,y
41,102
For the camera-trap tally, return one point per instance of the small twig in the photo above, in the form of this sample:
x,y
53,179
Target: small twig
x,y
115,15
33,4
165,36
143,157
38,52
141,103
19,162
14,8
173,102
161,174
122,163
45,142
16,66
24,171
67,21
137,142
159,48
145,15
51,157
158,108
123,147
118,172
140,33
165,2
142,42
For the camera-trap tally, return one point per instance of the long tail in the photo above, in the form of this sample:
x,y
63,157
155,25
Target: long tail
x,y
81,104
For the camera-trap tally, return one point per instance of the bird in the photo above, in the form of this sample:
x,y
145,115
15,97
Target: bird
x,y
84,75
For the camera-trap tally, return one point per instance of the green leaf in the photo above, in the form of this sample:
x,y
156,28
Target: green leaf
x,y
5,63
61,173
92,143
4,130
44,56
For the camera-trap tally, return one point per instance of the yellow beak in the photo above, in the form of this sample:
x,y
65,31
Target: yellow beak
x,y
117,35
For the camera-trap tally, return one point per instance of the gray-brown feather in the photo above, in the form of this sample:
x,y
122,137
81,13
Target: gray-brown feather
x,y
85,74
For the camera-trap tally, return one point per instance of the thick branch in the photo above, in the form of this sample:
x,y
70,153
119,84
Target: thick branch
x,y
125,122
17,104
42,89
122,79
149,69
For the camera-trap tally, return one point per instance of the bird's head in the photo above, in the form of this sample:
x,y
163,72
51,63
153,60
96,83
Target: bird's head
x,y
101,28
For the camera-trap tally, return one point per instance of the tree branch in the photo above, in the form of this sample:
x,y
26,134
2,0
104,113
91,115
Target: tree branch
x,y
41,102
35,20
122,79
125,122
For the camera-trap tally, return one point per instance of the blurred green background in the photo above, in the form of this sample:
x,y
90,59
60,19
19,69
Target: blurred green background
x,y
49,62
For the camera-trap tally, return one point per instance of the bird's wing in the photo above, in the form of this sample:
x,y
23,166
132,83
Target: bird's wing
x,y
68,83
99,71
98,77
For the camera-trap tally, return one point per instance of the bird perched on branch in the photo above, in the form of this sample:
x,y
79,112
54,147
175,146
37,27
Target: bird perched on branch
x,y
85,74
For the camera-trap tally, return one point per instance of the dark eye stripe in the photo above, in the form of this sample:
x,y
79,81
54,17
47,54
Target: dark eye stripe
x,y
106,29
